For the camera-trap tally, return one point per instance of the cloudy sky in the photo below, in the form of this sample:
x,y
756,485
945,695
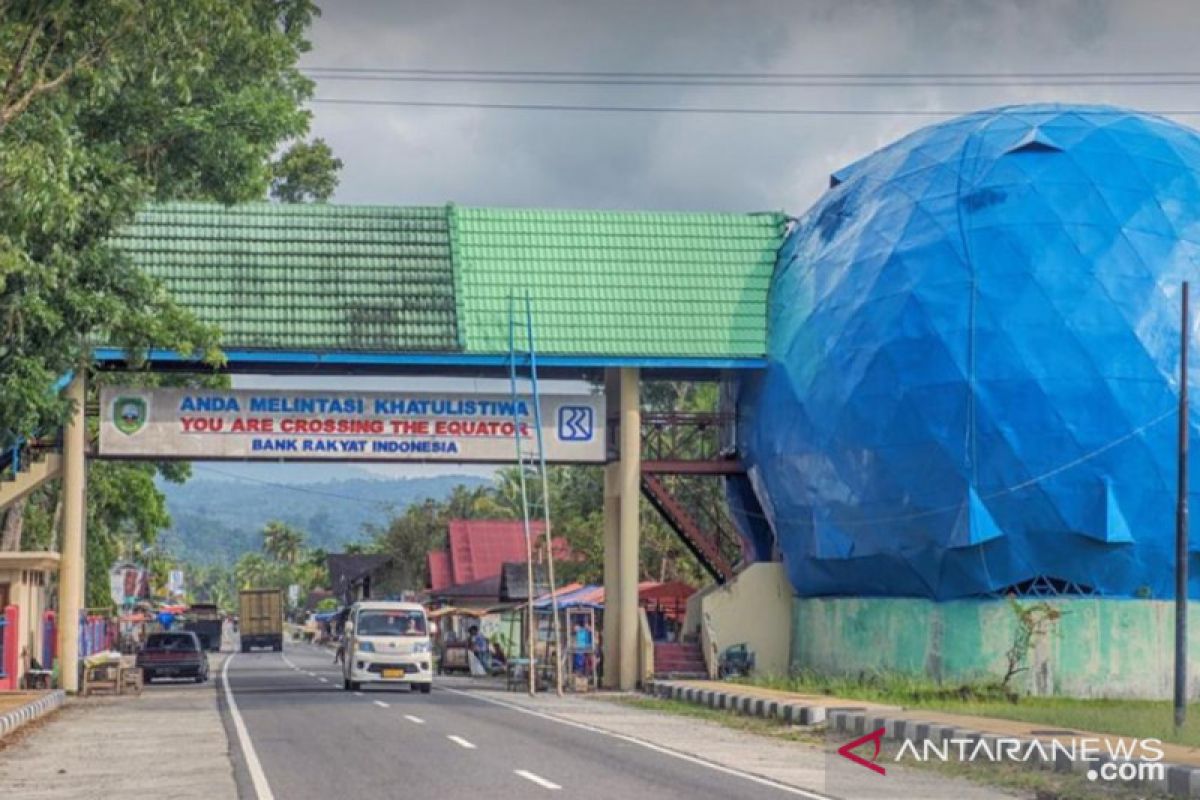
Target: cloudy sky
x,y
419,155
409,155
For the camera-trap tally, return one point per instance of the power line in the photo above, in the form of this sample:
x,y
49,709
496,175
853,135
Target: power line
x,y
774,83
812,75
712,110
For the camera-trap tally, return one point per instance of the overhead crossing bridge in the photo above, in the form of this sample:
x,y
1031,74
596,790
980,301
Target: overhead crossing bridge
x,y
617,296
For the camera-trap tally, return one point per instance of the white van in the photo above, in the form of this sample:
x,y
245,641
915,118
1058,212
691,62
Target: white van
x,y
387,643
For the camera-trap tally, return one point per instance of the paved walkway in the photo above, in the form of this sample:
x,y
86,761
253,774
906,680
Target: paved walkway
x,y
1176,754
170,738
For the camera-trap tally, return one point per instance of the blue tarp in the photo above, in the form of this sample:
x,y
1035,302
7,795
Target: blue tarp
x,y
571,599
972,380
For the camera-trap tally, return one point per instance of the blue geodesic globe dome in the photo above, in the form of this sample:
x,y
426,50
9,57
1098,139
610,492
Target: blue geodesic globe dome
x,y
974,344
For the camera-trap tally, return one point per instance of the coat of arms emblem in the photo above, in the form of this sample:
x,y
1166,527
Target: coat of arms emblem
x,y
129,414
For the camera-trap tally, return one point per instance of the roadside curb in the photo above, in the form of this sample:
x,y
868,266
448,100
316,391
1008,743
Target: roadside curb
x,y
27,713
1180,780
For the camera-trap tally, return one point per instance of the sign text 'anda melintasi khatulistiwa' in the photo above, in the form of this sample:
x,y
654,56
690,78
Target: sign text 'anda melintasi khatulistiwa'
x,y
345,426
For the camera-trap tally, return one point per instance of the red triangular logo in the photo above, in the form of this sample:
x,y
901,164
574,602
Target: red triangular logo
x,y
845,751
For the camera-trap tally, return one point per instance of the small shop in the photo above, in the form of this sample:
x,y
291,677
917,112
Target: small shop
x,y
27,646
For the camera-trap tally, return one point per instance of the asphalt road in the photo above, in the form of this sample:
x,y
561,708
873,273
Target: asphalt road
x,y
315,740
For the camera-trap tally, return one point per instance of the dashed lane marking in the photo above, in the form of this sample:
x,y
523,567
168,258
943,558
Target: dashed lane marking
x,y
761,781
382,704
417,720
461,742
539,780
323,680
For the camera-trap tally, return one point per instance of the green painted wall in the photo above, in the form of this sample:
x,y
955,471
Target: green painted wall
x,y
1098,648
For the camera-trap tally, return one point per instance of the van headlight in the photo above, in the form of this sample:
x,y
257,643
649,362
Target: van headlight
x,y
366,647
422,647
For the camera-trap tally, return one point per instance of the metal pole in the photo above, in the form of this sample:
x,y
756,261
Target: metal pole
x,y
537,424
531,633
1181,527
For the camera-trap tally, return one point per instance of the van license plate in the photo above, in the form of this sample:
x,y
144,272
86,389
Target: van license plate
x,y
393,673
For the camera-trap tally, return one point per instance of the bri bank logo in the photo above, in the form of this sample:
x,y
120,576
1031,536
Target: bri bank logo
x,y
1106,758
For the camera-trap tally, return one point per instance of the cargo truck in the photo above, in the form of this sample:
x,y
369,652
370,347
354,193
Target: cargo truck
x,y
204,620
261,623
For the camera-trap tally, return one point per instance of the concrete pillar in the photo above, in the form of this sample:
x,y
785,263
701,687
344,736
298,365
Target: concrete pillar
x,y
612,542
629,469
71,567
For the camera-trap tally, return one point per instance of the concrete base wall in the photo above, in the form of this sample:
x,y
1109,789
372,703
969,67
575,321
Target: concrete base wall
x,y
755,608
1098,648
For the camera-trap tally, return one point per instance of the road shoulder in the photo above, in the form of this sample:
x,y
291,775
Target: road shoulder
x,y
106,746
791,764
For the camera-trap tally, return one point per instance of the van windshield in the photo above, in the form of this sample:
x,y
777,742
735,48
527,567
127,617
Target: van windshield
x,y
377,622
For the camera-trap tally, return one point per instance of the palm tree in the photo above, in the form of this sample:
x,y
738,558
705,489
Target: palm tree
x,y
253,571
282,542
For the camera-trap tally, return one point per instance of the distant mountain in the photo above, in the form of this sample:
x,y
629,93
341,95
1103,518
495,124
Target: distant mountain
x,y
216,520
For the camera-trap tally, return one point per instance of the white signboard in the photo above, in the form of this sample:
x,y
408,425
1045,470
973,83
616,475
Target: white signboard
x,y
350,426
175,582
127,582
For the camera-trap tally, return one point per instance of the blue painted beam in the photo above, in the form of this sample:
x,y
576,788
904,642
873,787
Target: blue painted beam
x,y
113,356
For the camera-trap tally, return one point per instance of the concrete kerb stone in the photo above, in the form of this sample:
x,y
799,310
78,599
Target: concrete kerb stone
x,y
23,715
1180,781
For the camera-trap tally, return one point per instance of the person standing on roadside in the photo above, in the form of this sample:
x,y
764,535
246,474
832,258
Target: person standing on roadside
x,y
480,648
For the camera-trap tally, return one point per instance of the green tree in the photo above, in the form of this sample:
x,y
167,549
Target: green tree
x,y
306,173
408,537
104,105
282,542
253,571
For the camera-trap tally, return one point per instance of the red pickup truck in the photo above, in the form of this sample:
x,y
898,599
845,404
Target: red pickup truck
x,y
173,654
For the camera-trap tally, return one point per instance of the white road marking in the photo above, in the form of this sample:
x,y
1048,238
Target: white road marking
x,y
262,789
540,781
323,680
288,661
737,773
312,674
461,742
417,720
382,704
358,694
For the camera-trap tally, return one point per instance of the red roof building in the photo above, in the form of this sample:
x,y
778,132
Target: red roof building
x,y
478,548
440,575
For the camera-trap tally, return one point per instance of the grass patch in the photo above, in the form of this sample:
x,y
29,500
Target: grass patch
x,y
1139,718
776,729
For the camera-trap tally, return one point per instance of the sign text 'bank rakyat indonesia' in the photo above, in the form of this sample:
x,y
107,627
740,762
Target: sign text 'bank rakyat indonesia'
x,y
364,426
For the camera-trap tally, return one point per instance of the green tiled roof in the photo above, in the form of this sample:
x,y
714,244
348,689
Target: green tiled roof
x,y
617,283
310,277
427,280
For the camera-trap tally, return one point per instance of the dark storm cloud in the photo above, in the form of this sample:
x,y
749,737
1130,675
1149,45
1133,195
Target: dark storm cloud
x,y
491,157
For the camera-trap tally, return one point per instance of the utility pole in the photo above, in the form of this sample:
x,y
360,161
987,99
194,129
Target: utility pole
x,y
1181,527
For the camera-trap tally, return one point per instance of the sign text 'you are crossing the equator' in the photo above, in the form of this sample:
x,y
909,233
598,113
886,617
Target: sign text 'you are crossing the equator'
x,y
344,426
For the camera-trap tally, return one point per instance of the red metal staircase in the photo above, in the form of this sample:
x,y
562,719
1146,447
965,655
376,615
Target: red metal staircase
x,y
704,546
684,463
679,660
